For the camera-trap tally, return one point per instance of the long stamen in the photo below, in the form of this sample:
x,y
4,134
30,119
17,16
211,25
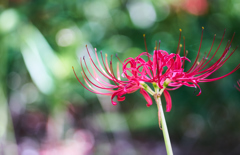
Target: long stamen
x,y
119,58
217,48
111,68
184,46
107,63
86,87
95,64
83,72
179,40
198,52
118,72
185,55
145,43
159,44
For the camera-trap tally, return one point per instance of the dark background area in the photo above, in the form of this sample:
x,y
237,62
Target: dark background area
x,y
45,111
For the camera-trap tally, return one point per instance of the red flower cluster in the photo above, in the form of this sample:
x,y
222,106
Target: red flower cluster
x,y
162,69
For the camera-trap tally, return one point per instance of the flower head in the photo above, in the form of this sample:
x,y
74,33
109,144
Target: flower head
x,y
166,71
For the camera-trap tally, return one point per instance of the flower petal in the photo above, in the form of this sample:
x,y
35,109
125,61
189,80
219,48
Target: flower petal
x,y
120,97
146,96
113,95
168,100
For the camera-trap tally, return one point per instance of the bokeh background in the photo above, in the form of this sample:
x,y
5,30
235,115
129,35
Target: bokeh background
x,y
45,111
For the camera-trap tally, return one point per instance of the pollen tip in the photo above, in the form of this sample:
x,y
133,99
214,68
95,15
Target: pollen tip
x,y
116,54
159,41
106,54
203,28
183,37
72,67
214,35
180,45
101,52
180,30
83,57
155,48
144,35
86,45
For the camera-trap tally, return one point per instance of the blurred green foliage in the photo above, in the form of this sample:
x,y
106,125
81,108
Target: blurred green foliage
x,y
43,104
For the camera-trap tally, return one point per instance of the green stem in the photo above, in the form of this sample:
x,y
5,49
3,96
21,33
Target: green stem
x,y
164,127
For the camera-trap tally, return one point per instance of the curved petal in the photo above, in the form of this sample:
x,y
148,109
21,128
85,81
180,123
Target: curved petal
x,y
120,97
147,97
168,100
113,95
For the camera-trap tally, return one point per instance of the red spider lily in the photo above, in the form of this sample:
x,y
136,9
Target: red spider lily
x,y
119,88
162,69
238,87
168,69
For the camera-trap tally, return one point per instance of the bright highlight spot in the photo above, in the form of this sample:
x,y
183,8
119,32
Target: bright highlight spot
x,y
142,14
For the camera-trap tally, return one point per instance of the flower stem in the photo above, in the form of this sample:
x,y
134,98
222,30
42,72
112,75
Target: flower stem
x,y
164,127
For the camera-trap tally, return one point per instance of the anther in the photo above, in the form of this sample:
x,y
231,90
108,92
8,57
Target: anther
x,y
72,67
83,57
180,30
203,28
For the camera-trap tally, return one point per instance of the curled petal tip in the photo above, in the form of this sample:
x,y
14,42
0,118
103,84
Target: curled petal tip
x,y
168,109
114,103
199,93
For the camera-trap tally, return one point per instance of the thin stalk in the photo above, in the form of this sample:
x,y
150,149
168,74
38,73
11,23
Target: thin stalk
x,y
164,127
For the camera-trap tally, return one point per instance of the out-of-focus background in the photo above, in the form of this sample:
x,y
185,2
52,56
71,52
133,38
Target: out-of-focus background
x,y
45,111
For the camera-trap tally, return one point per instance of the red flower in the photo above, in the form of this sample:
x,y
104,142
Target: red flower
x,y
162,70
166,69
